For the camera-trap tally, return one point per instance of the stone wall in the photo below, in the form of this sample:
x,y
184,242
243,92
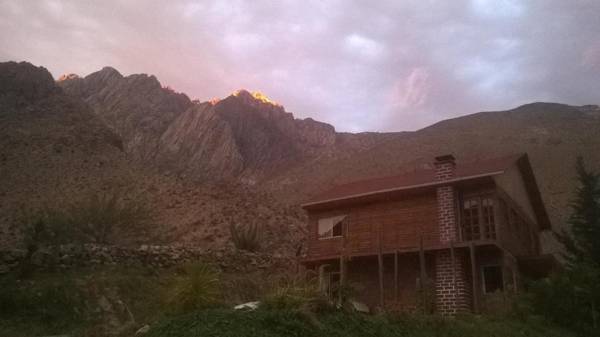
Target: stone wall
x,y
85,255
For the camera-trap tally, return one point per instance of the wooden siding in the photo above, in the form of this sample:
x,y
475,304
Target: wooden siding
x,y
401,222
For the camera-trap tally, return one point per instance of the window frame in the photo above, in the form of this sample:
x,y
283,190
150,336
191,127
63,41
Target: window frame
x,y
340,222
483,223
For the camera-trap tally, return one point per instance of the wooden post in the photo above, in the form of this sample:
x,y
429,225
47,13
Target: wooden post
x,y
342,264
422,266
380,264
423,274
396,276
474,278
453,258
342,280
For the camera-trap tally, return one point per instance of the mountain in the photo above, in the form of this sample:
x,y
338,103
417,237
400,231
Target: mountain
x,y
243,135
56,149
244,158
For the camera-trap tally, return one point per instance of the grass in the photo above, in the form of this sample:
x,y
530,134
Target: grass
x,y
276,323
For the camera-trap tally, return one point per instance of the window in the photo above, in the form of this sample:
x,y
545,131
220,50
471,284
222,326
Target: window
x,y
489,225
492,279
471,219
331,227
478,219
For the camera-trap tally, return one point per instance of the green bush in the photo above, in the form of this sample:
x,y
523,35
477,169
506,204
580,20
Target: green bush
x,y
246,237
195,288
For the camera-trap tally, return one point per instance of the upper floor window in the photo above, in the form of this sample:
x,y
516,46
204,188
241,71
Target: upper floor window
x,y
331,227
478,218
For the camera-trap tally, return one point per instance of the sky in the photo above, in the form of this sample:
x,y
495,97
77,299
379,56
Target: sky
x,y
359,65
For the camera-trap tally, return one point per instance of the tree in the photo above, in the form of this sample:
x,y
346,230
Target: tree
x,y
582,244
577,290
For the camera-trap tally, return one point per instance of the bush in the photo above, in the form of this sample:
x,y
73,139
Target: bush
x,y
296,293
246,237
91,219
195,288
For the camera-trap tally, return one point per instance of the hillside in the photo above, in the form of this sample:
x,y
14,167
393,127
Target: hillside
x,y
552,134
244,158
56,150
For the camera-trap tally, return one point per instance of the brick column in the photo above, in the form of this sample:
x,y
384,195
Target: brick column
x,y
450,286
452,292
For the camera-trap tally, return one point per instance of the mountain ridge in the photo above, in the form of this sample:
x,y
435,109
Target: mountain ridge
x,y
244,158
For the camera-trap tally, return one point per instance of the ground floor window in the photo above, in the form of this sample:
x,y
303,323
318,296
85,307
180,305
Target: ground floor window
x,y
492,279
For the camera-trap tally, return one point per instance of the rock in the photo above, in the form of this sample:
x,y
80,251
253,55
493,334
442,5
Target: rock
x,y
248,305
143,330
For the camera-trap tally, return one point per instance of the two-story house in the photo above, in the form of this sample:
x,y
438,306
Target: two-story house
x,y
455,231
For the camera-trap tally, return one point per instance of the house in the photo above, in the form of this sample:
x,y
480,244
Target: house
x,y
443,237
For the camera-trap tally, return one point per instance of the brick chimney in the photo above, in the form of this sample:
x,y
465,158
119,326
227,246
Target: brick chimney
x,y
451,290
444,170
444,167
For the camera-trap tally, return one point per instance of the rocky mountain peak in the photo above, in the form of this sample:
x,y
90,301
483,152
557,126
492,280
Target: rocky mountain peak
x,y
66,77
255,96
23,83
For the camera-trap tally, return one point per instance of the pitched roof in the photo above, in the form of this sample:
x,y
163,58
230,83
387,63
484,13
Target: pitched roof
x,y
412,180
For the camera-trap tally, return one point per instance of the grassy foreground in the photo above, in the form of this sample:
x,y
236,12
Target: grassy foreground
x,y
280,323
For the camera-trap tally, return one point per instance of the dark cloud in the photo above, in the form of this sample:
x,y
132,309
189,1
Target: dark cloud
x,y
360,65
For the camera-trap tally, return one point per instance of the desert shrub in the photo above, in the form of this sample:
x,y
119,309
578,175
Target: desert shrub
x,y
94,218
246,237
196,287
296,293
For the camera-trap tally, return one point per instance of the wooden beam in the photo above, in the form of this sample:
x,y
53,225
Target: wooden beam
x,y
380,264
396,276
474,278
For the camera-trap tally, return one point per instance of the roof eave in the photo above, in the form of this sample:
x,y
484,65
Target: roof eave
x,y
402,188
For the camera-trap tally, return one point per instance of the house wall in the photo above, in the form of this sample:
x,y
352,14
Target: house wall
x,y
402,222
511,181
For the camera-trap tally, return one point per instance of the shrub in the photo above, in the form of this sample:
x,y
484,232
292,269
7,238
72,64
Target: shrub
x,y
94,218
195,288
296,293
246,237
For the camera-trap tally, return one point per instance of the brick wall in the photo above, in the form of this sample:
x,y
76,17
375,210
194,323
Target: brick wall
x,y
451,283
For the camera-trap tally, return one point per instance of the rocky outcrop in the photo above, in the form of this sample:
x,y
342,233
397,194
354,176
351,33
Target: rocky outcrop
x,y
242,135
136,107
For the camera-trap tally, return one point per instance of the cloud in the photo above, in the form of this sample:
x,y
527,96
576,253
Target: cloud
x,y
377,66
